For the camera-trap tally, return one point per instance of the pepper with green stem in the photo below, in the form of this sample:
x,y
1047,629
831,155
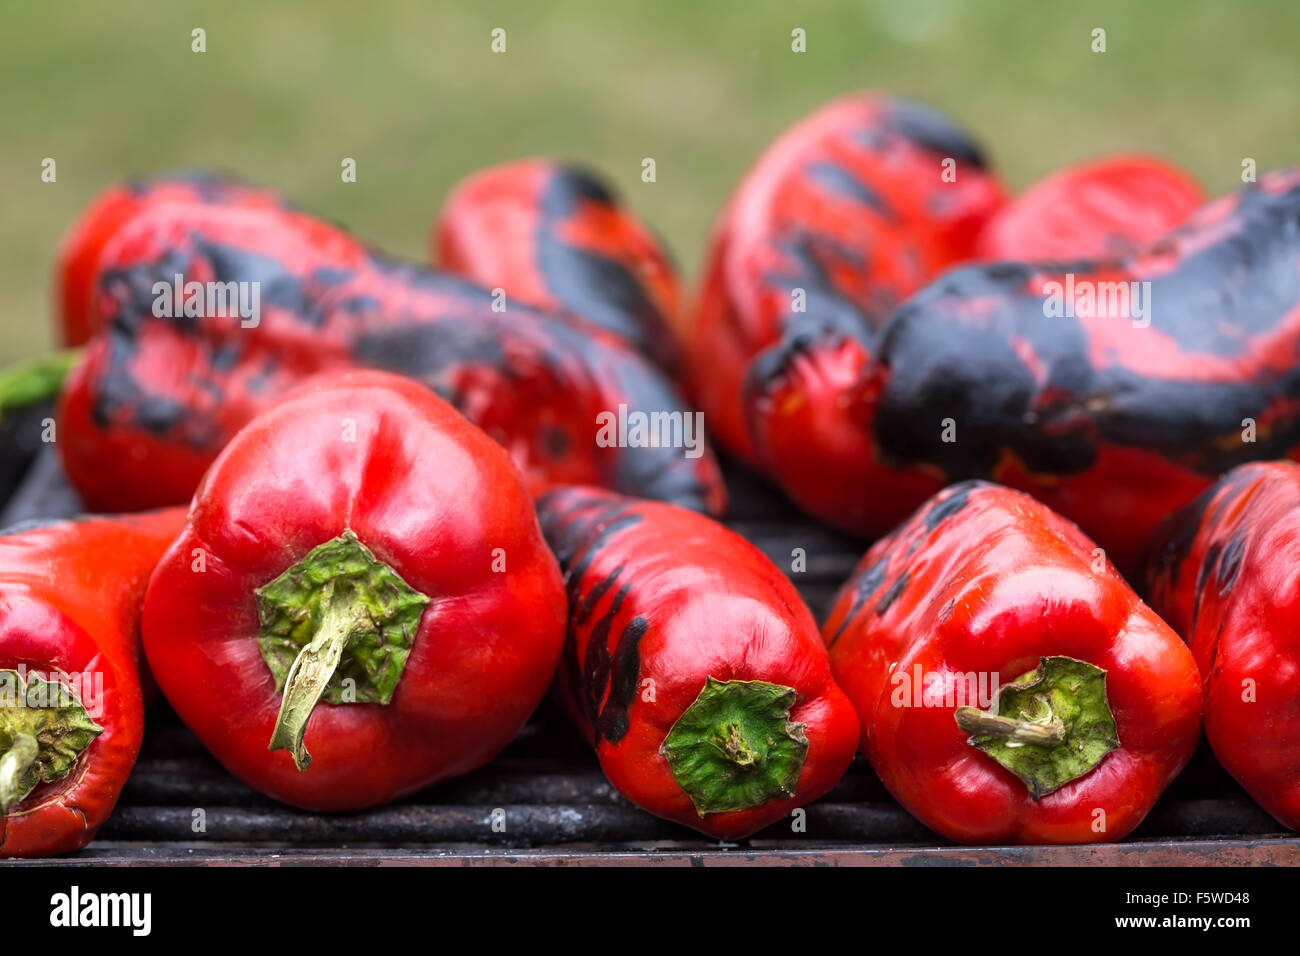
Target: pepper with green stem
x,y
1010,685
71,709
693,666
360,603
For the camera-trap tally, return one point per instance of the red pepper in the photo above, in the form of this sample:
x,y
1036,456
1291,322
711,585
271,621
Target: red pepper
x,y
692,665
1113,390
361,586
555,236
1101,209
841,218
157,396
986,597
96,228
71,712
1223,573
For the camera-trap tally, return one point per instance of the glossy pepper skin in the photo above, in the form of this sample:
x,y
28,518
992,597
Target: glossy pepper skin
x,y
94,231
1102,209
986,583
1113,418
841,218
692,665
70,596
156,397
1224,573
555,236
361,531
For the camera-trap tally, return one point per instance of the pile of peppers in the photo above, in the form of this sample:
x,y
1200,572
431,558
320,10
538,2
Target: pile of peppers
x,y
363,513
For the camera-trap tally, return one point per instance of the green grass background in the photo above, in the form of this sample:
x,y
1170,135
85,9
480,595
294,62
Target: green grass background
x,y
412,91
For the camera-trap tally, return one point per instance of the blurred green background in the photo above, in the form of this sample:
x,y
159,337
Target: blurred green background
x,y
412,91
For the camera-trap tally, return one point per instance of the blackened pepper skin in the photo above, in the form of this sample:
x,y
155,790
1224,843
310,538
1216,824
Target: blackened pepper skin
x,y
556,236
692,665
846,214
94,230
1225,573
1114,414
156,397
1114,420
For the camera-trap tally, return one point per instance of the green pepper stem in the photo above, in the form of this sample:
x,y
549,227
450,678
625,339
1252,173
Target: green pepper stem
x,y
311,671
35,380
732,745
14,765
975,721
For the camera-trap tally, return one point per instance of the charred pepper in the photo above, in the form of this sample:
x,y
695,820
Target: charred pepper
x,y
1223,573
692,665
557,237
1010,685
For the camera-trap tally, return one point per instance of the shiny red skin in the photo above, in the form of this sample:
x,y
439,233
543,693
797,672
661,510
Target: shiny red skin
x,y
155,398
555,236
432,497
914,226
713,606
1100,209
94,231
987,580
1225,573
70,597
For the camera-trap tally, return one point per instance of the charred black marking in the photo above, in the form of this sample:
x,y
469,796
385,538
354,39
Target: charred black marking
x,y
571,185
946,611
864,585
840,181
1172,543
932,130
592,286
828,317
583,610
1202,579
597,660
957,497
623,684
1229,566
947,360
554,442
897,588
577,526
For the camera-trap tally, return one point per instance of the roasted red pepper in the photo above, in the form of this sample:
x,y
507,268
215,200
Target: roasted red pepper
x,y
840,219
692,665
1113,391
1011,686
71,712
1114,415
361,566
157,396
1101,209
95,229
1224,573
556,237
